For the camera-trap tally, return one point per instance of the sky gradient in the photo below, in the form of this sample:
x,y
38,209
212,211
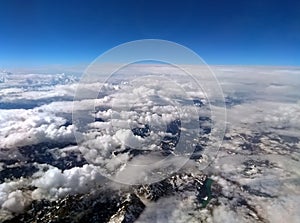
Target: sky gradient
x,y
35,33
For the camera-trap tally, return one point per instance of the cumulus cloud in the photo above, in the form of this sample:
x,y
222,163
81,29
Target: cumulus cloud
x,y
15,202
12,197
26,127
54,183
261,106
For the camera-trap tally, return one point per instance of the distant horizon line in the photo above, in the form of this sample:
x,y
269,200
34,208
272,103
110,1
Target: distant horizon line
x,y
79,68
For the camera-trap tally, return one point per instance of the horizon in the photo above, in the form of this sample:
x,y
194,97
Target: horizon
x,y
80,68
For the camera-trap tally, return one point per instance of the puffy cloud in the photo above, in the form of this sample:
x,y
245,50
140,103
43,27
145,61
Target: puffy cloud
x,y
12,197
54,183
15,202
285,116
26,127
259,99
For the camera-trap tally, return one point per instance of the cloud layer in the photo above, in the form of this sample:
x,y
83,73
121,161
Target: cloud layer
x,y
133,131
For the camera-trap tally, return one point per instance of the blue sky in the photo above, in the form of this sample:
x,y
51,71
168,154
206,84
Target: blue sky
x,y
42,32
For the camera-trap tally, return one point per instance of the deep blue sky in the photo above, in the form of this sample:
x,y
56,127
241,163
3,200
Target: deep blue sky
x,y
254,32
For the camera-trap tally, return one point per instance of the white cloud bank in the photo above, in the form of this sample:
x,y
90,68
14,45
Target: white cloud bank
x,y
266,102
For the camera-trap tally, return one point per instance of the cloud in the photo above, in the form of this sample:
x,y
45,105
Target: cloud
x,y
262,109
26,127
12,197
54,183
15,202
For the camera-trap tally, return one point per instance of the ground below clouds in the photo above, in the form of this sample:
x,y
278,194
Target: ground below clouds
x,y
46,176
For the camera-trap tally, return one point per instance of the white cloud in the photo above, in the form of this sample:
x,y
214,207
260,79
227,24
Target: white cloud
x,y
54,183
26,127
15,202
267,104
12,196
